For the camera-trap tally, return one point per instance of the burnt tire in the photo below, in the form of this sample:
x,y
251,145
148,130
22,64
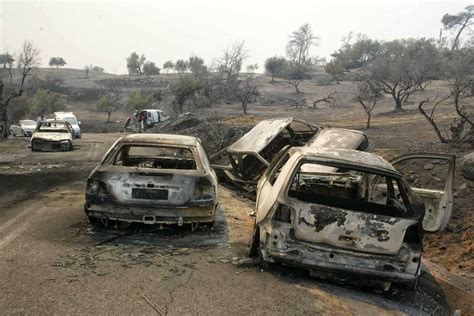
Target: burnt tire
x,y
256,251
34,146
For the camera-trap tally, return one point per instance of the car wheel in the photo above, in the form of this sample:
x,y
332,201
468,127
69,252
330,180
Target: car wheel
x,y
98,222
34,146
256,251
70,146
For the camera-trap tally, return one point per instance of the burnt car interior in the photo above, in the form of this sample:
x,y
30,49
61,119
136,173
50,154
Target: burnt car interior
x,y
157,157
351,189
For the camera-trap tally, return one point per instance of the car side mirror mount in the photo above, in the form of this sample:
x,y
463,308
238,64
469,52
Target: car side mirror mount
x,y
79,123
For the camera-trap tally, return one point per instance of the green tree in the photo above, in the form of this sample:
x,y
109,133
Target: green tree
x,y
181,66
108,105
44,102
336,69
6,60
196,66
458,23
57,62
150,69
97,69
275,66
167,66
403,67
183,90
135,63
138,100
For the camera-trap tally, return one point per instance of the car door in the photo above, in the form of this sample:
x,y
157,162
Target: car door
x,y
265,188
436,193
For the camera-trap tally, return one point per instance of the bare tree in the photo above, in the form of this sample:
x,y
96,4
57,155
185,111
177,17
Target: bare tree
x,y
231,61
330,100
368,94
461,128
27,60
247,88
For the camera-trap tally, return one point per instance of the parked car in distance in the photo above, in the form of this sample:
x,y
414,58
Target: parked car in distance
x,y
71,118
24,128
347,215
52,135
153,178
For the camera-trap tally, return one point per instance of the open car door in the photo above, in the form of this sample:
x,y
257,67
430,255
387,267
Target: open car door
x,y
436,192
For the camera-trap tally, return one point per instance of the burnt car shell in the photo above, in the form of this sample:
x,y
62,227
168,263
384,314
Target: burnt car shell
x,y
243,163
54,135
339,224
163,189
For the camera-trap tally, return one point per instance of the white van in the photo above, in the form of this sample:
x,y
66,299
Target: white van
x,y
71,118
154,116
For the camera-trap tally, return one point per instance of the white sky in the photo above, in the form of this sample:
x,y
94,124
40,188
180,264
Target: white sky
x,y
104,33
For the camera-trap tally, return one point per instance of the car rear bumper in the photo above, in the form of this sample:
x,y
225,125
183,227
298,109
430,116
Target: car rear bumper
x,y
151,215
329,262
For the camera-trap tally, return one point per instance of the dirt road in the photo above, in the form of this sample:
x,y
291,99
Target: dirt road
x,y
50,262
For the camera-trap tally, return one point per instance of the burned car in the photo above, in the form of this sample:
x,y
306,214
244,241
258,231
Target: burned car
x,y
243,163
52,136
347,215
24,128
153,178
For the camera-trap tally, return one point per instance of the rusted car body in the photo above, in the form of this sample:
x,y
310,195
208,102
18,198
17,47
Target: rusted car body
x,y
347,215
243,163
153,178
52,136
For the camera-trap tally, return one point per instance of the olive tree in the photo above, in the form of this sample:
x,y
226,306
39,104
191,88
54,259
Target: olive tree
x,y
404,67
458,23
135,63
298,53
275,66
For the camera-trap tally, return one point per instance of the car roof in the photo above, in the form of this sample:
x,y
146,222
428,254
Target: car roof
x,y
170,139
350,156
260,136
64,113
332,137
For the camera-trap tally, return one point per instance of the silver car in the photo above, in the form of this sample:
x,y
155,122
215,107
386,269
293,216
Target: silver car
x,y
24,128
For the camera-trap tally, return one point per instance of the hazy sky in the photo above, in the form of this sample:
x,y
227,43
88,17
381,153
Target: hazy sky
x,y
104,33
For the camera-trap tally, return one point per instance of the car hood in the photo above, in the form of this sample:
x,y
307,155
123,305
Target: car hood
x,y
51,136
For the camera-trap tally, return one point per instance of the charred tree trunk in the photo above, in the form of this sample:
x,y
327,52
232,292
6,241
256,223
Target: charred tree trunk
x,y
369,116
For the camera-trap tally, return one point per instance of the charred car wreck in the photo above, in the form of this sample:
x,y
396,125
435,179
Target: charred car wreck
x,y
153,178
347,215
52,136
243,163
